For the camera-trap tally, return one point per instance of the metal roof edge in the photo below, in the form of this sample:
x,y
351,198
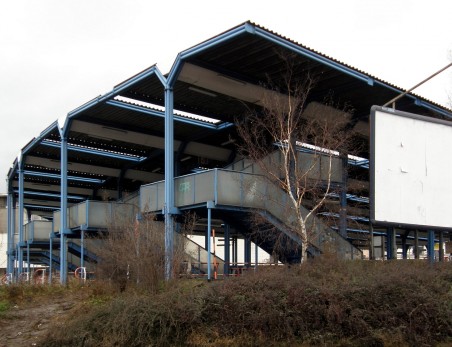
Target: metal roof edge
x,y
370,79
38,139
153,70
256,29
12,169
224,36
298,48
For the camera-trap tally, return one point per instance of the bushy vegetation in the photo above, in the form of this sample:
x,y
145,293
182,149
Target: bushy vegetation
x,y
321,303
133,253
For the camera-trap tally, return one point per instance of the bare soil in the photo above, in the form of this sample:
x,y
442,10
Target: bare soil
x,y
27,323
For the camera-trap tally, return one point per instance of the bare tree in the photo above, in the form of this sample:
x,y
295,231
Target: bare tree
x,y
297,145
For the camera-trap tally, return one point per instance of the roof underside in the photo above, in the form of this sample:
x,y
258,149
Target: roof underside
x,y
117,144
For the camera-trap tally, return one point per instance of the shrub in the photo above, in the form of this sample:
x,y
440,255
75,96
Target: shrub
x,y
323,302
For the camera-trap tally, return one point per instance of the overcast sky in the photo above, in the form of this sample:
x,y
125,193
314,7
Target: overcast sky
x,y
57,54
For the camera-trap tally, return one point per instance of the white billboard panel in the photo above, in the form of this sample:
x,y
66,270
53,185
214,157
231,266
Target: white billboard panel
x,y
410,169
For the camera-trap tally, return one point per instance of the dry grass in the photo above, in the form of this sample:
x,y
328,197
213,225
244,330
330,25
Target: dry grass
x,y
322,303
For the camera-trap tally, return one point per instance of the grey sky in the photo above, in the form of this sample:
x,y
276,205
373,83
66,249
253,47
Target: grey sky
x,y
57,54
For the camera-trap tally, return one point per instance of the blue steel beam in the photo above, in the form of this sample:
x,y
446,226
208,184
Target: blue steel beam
x,y
161,114
44,207
380,233
51,195
58,176
351,197
94,151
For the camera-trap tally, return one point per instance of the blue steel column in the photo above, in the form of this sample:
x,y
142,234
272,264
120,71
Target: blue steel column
x,y
227,249
431,246
63,211
209,230
10,235
416,244
343,198
441,246
169,182
82,247
256,255
21,217
14,228
404,248
28,260
50,255
389,245
247,250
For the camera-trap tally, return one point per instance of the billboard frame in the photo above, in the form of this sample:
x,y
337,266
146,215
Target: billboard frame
x,y
372,168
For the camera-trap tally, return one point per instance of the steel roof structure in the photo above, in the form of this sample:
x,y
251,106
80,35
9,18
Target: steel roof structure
x,y
152,126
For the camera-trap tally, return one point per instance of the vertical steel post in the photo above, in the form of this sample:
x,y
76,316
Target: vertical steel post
x,y
431,246
256,254
247,247
236,250
209,228
389,245
371,246
233,252
441,246
227,250
21,216
394,243
10,230
404,248
169,182
343,198
28,261
82,247
416,244
63,212
50,257
14,229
